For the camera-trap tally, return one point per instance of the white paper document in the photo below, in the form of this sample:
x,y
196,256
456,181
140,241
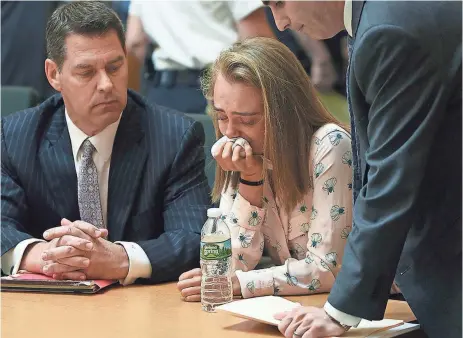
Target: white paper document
x,y
262,309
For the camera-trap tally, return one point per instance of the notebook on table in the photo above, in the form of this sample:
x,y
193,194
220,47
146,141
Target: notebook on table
x,y
262,309
32,282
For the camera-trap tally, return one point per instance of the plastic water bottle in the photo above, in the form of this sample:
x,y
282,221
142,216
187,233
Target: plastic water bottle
x,y
216,254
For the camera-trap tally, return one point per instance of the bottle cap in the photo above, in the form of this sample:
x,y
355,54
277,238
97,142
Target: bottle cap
x,y
214,213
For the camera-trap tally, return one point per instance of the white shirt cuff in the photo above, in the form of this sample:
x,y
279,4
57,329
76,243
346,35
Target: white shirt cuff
x,y
11,260
341,317
139,263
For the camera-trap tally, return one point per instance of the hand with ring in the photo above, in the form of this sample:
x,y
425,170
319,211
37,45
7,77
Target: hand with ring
x,y
308,322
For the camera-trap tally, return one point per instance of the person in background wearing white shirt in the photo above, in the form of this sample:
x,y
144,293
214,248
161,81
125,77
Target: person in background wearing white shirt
x,y
189,35
115,186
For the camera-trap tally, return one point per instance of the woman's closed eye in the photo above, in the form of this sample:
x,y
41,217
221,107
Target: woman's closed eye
x,y
221,117
248,121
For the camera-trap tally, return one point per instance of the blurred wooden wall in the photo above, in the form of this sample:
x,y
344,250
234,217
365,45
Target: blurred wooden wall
x,y
134,72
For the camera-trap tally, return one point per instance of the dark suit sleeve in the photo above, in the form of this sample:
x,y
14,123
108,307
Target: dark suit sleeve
x,y
407,95
14,204
186,202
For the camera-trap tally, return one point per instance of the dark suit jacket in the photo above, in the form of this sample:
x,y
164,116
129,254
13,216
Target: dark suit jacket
x,y
405,93
157,189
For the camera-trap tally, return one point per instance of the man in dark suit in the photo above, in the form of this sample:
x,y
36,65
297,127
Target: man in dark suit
x,y
115,186
404,91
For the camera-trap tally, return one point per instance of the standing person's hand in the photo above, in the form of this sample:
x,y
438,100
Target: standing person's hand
x,y
308,322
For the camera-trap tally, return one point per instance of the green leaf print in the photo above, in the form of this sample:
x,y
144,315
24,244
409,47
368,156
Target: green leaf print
x,y
324,265
308,258
316,239
255,219
329,184
245,240
345,232
347,158
331,258
276,247
305,227
335,138
291,280
303,208
336,212
251,287
314,285
319,169
233,218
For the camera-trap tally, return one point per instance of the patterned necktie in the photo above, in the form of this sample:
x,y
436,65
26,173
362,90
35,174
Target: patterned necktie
x,y
356,183
88,190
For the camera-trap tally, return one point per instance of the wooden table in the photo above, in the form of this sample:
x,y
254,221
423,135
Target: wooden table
x,y
135,311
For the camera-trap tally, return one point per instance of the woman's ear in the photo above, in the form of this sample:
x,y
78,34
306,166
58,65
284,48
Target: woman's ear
x,y
53,74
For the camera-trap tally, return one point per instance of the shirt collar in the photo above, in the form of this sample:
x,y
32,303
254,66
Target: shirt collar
x,y
348,16
103,141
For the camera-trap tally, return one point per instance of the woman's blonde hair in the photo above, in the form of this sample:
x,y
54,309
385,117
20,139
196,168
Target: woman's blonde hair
x,y
291,108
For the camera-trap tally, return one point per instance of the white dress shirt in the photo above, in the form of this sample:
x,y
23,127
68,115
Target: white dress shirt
x,y
340,316
139,264
190,34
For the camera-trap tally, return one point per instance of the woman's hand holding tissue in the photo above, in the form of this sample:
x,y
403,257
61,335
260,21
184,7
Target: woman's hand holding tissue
x,y
237,155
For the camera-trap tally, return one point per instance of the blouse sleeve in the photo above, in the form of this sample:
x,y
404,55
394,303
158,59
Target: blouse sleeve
x,y
245,223
324,235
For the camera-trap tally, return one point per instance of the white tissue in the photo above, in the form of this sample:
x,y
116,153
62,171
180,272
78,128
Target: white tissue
x,y
225,139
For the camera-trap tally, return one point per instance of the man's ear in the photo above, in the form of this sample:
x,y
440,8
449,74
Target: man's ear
x,y
53,74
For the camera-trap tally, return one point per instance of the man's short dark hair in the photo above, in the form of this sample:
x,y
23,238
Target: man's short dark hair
x,y
91,18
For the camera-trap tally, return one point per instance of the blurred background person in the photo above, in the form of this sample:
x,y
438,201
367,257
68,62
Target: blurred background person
x,y
187,37
23,44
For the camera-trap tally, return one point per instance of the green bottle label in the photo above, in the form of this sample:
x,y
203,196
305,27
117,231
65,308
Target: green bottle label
x,y
216,250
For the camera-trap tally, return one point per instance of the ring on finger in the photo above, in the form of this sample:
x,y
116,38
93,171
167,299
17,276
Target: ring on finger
x,y
239,142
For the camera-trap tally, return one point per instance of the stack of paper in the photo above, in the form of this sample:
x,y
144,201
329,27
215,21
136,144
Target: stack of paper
x,y
32,282
262,309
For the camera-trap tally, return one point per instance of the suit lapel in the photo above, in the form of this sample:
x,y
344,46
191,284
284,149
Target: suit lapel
x,y
58,167
127,162
357,7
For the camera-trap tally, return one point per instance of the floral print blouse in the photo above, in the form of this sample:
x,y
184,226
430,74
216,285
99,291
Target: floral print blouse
x,y
306,245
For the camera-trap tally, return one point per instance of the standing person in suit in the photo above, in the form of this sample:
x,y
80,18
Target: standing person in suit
x,y
404,91
115,186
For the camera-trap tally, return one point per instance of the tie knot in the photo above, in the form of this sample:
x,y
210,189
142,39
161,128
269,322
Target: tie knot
x,y
87,148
